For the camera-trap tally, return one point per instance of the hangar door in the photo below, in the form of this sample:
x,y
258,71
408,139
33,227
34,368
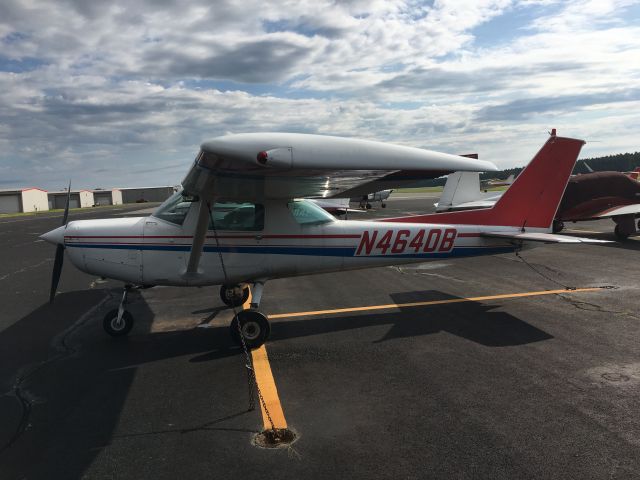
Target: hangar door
x,y
10,203
61,201
102,198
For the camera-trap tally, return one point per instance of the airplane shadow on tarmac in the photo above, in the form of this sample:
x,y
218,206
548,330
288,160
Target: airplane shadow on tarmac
x,y
470,320
473,321
72,386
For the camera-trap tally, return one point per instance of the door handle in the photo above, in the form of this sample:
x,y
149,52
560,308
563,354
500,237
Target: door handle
x,y
258,237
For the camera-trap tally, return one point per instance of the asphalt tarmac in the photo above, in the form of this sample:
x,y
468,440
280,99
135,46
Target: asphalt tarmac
x,y
538,386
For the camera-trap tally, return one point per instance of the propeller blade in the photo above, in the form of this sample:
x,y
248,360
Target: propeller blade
x,y
57,270
66,208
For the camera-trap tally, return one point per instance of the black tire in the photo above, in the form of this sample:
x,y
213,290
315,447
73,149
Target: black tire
x,y
383,205
109,323
620,235
558,226
254,325
368,206
228,296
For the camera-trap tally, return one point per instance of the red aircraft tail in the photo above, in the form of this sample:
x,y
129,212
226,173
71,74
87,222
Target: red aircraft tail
x,y
533,198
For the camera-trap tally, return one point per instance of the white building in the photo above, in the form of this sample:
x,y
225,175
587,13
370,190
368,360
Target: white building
x,y
146,194
107,197
79,199
23,200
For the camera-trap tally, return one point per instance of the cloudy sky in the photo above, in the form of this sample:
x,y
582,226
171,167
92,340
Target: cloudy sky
x,y
110,94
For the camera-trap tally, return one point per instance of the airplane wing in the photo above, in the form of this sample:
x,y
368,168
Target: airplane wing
x,y
618,211
288,165
542,237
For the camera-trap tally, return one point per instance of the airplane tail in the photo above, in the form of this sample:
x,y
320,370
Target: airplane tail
x,y
533,198
461,187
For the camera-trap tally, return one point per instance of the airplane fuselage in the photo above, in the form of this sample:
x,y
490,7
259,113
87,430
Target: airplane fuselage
x,y
153,251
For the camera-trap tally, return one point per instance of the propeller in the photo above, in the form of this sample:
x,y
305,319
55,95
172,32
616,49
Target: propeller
x,y
59,258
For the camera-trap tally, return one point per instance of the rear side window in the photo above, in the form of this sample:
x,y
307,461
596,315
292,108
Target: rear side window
x,y
242,217
307,213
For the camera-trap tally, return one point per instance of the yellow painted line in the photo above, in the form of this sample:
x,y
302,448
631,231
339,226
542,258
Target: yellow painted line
x,y
267,385
432,302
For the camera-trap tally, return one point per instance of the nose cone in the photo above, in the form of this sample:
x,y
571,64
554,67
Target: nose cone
x,y
54,236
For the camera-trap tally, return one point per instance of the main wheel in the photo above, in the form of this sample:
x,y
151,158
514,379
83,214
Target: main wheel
x,y
115,328
620,234
383,205
254,326
558,226
368,206
235,295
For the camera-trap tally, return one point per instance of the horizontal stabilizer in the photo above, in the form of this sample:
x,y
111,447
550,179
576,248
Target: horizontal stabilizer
x,y
542,237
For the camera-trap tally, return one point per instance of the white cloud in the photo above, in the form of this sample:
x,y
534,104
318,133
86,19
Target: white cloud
x,y
104,88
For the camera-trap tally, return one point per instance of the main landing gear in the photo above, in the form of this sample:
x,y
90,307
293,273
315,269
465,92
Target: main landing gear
x,y
251,324
234,295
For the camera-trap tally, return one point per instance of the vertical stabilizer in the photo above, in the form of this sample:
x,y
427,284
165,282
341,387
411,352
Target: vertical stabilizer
x,y
533,198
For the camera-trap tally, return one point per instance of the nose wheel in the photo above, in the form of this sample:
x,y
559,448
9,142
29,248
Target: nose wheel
x,y
117,327
119,322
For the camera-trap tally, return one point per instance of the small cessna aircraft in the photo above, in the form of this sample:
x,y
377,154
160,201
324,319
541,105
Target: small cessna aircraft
x,y
367,200
238,219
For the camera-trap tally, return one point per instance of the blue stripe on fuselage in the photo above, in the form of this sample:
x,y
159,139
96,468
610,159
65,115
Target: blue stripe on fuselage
x,y
312,251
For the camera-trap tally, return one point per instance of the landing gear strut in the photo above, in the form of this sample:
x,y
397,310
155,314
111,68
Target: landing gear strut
x,y
119,322
252,323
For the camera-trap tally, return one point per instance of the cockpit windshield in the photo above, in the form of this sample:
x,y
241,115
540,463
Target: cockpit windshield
x,y
175,208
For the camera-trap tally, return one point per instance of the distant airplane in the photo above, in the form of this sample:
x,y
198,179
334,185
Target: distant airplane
x,y
462,192
592,196
335,206
589,196
497,182
366,200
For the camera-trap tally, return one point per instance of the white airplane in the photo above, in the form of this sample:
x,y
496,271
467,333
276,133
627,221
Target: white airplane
x,y
238,220
366,200
336,206
462,192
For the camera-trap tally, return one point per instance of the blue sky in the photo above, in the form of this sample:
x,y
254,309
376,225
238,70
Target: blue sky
x,y
114,94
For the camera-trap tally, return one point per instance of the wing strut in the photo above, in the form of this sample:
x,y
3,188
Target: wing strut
x,y
199,237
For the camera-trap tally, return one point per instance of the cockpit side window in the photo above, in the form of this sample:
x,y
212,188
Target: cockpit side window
x,y
175,208
307,213
243,217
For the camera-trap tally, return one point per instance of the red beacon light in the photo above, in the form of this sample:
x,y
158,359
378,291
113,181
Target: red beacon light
x,y
262,157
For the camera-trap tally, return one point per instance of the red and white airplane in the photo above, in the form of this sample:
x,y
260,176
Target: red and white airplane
x,y
239,219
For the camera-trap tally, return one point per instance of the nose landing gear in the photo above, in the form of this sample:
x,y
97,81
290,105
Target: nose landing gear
x,y
119,322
